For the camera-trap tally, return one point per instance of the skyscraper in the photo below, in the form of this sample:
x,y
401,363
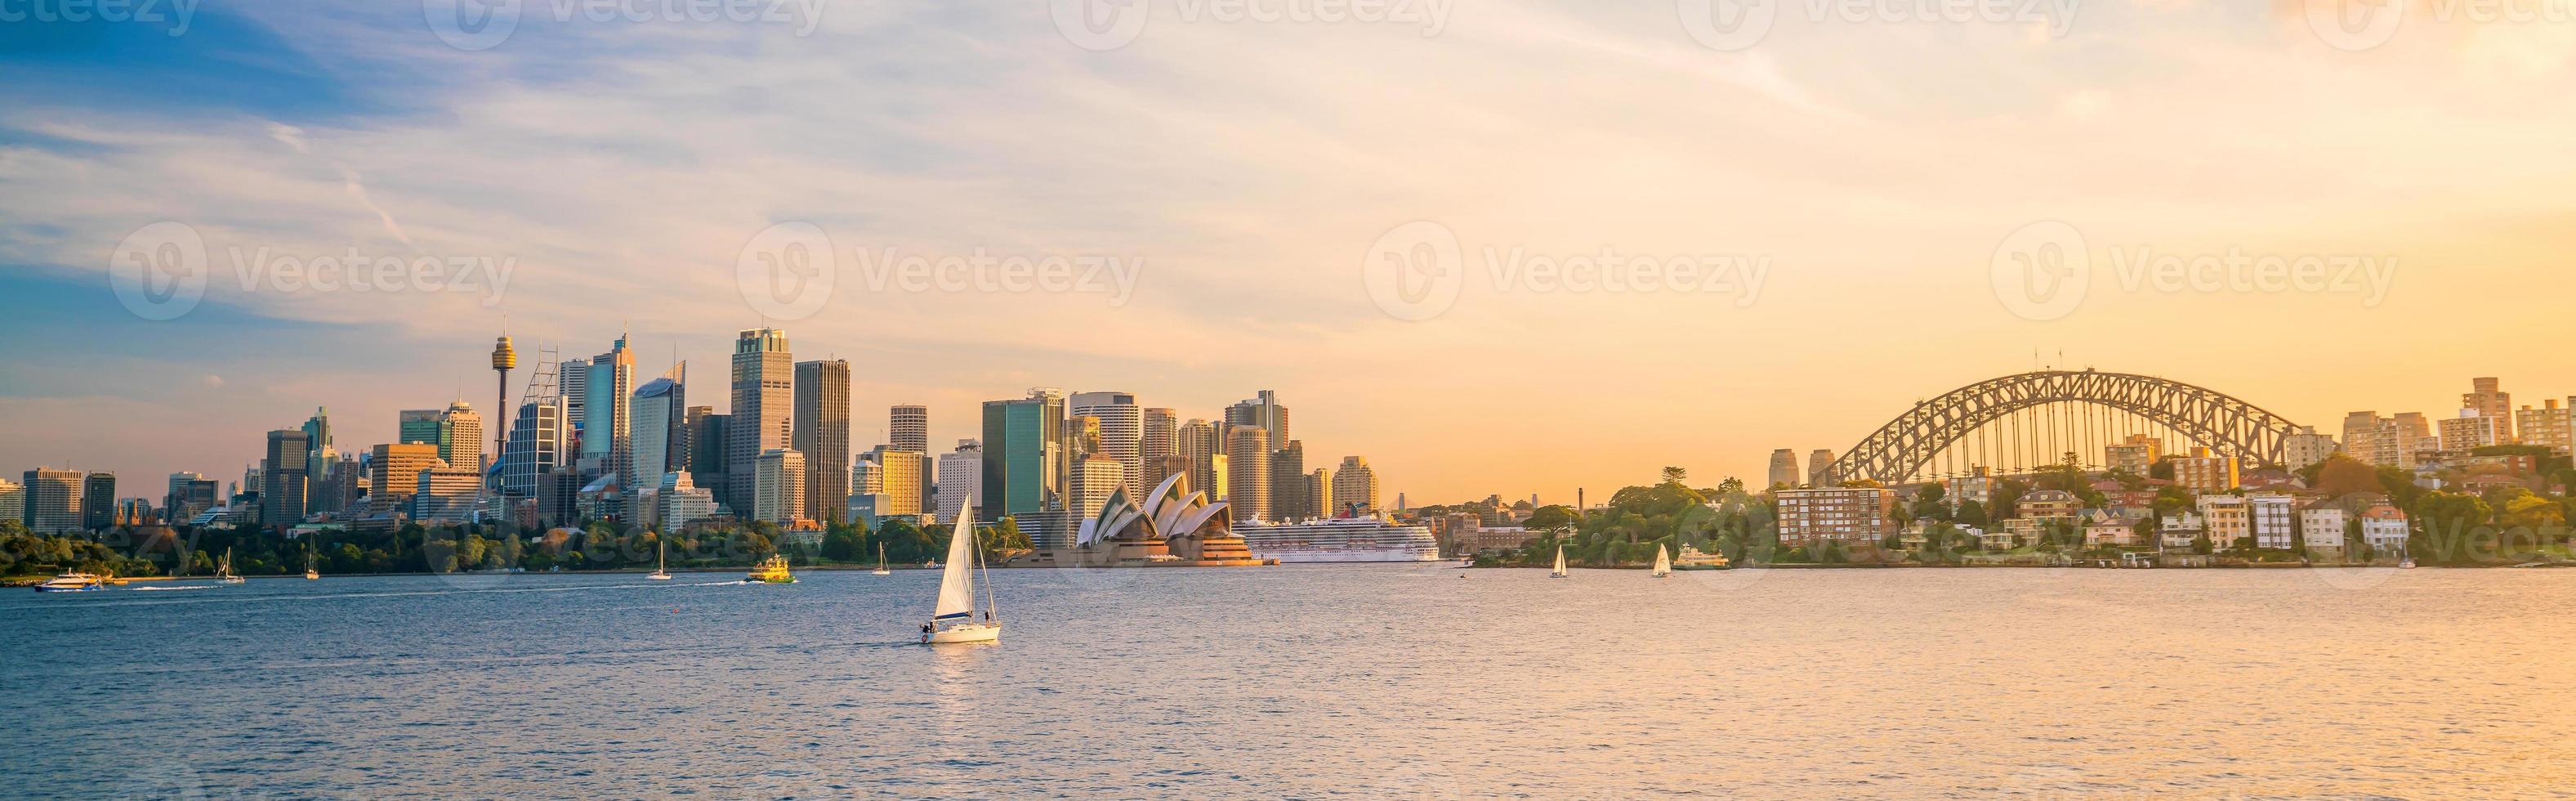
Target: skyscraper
x,y
182,501
417,425
1288,483
1026,465
1247,463
961,479
762,420
902,477
1261,410
908,428
284,500
1197,442
822,433
1158,437
1355,485
1121,432
460,437
1095,478
659,434
538,440
608,418
53,504
318,453
13,501
778,486
98,501
1784,468
572,383
393,473
707,446
1319,484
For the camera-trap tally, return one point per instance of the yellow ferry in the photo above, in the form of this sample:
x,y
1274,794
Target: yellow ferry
x,y
772,570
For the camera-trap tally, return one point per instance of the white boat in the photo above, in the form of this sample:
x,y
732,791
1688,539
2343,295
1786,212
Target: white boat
x,y
224,569
660,547
310,574
952,620
1359,538
2408,564
73,582
881,566
1663,562
1559,572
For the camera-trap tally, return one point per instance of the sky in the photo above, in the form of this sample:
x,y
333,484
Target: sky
x,y
1403,218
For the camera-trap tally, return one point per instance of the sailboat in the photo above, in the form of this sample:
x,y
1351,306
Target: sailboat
x,y
661,547
881,567
224,569
956,606
1663,562
310,574
1559,572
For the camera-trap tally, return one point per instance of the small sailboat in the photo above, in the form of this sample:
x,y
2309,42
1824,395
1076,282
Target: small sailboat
x,y
310,574
772,570
2408,563
956,606
224,570
881,565
1663,562
661,548
1559,572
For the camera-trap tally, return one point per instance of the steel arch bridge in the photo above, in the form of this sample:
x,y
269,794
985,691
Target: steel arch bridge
x,y
1898,451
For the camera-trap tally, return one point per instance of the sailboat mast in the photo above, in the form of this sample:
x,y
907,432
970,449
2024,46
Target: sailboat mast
x,y
990,610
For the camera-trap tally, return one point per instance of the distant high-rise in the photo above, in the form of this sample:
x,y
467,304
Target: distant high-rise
x,y
189,494
658,433
902,476
707,446
1319,484
98,501
284,500
608,421
504,358
2487,396
393,473
1355,485
13,501
961,478
1122,429
53,500
908,428
1288,491
1158,437
778,486
1247,462
1820,468
1095,478
1784,468
572,383
822,433
537,446
460,436
1197,442
1026,458
318,453
1262,410
417,425
762,419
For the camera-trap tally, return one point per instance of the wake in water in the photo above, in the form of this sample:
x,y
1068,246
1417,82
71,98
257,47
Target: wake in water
x,y
181,587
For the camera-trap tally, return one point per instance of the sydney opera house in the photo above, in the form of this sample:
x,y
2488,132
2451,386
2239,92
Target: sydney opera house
x,y
1176,527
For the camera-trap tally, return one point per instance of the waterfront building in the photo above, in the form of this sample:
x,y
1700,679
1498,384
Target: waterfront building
x,y
98,501
393,473
2227,520
1262,411
2036,510
1026,460
52,500
1121,431
1784,468
908,428
1288,483
2271,516
2181,529
2133,454
778,486
1355,486
284,499
682,501
961,478
2322,525
2487,398
1978,486
1175,526
2546,427
2472,429
822,433
2388,441
1247,462
762,418
902,476
1157,440
2383,528
658,430
445,494
2103,527
1849,515
2204,471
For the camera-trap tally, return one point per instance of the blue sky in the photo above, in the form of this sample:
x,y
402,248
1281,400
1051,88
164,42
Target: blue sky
x,y
622,170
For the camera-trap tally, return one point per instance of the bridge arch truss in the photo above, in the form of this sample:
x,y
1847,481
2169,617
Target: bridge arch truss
x,y
1899,451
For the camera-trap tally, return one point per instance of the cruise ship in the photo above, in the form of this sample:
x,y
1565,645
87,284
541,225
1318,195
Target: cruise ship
x,y
1341,539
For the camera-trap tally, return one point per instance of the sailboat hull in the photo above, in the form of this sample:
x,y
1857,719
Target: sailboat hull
x,y
965,632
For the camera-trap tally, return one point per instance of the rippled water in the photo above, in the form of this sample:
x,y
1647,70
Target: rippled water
x,y
1350,681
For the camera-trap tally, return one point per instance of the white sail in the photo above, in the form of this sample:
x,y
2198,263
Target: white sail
x,y
957,577
1560,560
1663,561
